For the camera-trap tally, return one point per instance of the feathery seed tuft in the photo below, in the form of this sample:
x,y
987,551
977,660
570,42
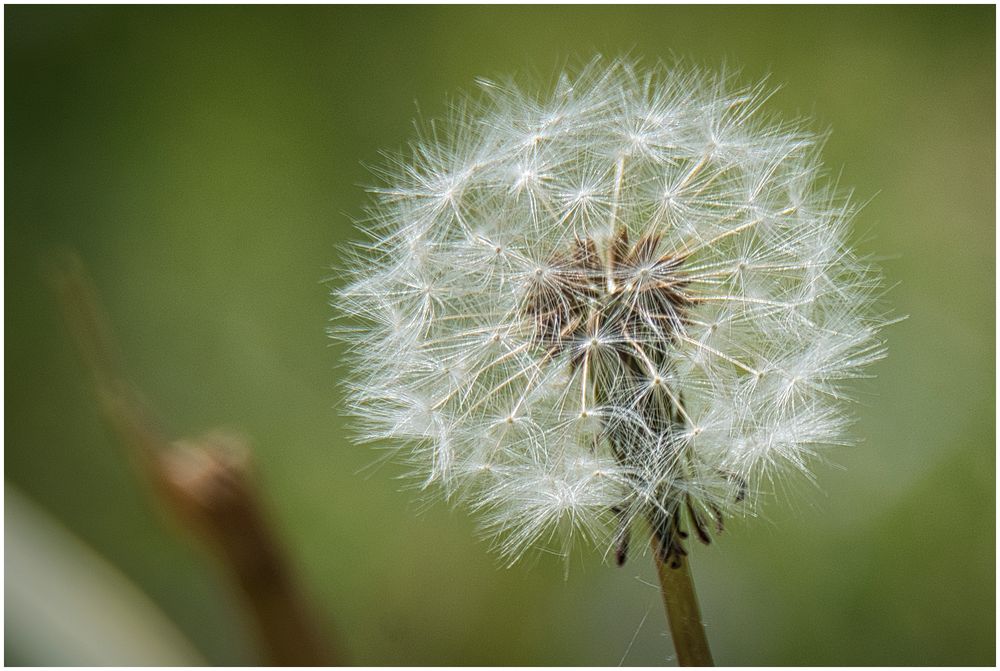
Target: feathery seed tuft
x,y
622,305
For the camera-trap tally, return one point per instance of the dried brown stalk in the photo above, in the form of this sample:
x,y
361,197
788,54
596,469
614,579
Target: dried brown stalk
x,y
206,485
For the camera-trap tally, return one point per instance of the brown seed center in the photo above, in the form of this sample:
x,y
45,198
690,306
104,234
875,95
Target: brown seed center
x,y
619,318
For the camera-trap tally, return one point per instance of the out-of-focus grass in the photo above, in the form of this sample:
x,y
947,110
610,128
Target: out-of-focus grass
x,y
203,160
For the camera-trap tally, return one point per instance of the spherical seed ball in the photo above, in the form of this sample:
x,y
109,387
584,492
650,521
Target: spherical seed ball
x,y
621,304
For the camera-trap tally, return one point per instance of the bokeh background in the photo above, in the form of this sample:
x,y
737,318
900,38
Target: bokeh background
x,y
205,162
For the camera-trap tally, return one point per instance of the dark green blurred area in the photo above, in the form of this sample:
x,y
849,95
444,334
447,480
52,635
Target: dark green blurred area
x,y
206,162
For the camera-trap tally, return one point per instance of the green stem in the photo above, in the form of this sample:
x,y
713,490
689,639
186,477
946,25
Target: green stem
x,y
683,614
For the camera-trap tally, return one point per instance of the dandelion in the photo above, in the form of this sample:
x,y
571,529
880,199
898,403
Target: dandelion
x,y
624,306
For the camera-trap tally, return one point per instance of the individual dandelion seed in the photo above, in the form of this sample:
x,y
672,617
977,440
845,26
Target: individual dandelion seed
x,y
616,307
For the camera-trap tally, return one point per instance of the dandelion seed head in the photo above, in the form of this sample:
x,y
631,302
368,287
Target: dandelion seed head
x,y
622,304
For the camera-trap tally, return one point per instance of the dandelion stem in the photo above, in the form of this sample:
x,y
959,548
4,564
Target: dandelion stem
x,y
683,613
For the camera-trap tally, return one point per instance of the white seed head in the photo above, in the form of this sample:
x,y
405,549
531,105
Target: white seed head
x,y
623,303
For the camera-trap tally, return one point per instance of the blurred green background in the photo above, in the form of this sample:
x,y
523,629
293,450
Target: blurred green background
x,y
205,162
